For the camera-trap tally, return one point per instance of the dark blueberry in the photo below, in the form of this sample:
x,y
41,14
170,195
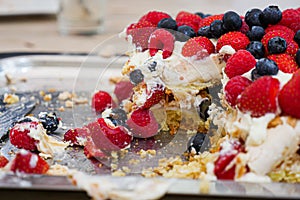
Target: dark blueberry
x,y
200,14
216,28
207,15
232,21
255,75
195,143
49,121
256,33
184,33
297,37
277,45
152,66
298,57
118,117
136,76
203,109
25,119
253,17
271,15
256,48
205,31
167,23
266,66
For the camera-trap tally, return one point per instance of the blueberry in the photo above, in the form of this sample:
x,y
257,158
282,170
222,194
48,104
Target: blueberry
x,y
256,33
232,21
136,76
118,117
298,57
256,48
167,23
271,15
253,17
207,15
200,14
49,121
152,66
297,37
203,109
195,143
205,31
265,66
216,28
184,33
277,45
254,75
26,119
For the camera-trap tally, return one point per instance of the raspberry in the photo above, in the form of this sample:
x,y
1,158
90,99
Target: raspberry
x,y
123,90
285,62
29,163
290,18
155,95
234,88
239,63
190,19
163,40
198,46
260,97
289,96
101,100
235,39
74,136
3,161
154,17
208,20
142,123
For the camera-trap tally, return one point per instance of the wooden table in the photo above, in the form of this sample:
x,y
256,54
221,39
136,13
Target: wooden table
x,y
40,34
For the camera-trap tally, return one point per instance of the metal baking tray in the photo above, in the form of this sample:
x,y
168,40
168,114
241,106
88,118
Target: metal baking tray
x,y
85,74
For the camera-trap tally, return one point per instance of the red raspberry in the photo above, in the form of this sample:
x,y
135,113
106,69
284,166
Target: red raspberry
x,y
235,39
154,17
29,163
142,123
285,62
245,28
289,96
74,136
198,46
290,18
208,20
154,96
190,19
101,100
234,88
3,161
123,90
19,135
239,63
163,40
260,97
224,168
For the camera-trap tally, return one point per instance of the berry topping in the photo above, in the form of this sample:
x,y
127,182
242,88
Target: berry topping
x,y
101,100
142,123
109,137
184,33
190,19
20,135
3,161
265,66
253,17
232,21
163,40
239,63
29,163
257,49
256,33
199,47
49,120
234,88
216,29
123,90
289,96
76,136
136,76
291,19
260,97
167,23
279,27
195,143
208,20
205,31
154,96
276,45
285,62
271,15
154,17
236,40
224,165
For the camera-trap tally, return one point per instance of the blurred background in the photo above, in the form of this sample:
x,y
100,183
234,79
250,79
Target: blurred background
x,y
31,25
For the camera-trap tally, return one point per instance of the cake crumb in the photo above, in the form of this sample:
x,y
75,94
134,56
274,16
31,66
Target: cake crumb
x,y
134,161
80,100
10,98
63,96
61,109
47,97
42,93
118,173
9,79
69,104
